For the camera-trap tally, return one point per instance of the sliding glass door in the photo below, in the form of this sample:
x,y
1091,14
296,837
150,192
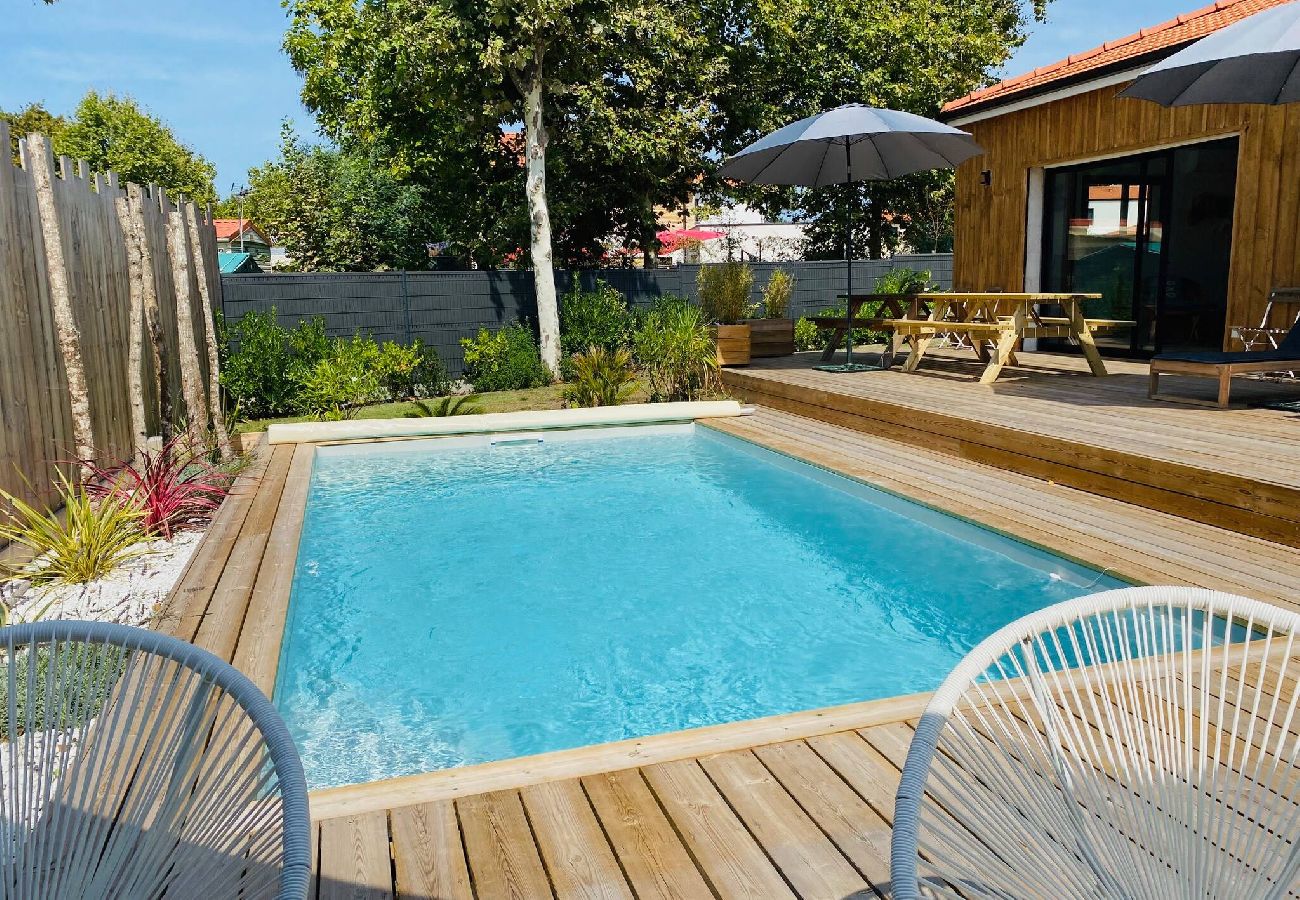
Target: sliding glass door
x,y
1152,234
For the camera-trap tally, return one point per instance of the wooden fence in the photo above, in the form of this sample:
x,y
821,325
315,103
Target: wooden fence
x,y
109,289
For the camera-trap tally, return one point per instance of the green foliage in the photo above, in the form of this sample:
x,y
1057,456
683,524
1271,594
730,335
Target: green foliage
x,y
86,542
903,280
410,371
111,132
263,374
807,336
32,118
504,360
596,318
676,352
724,290
70,685
627,85
777,294
463,405
338,210
343,380
601,378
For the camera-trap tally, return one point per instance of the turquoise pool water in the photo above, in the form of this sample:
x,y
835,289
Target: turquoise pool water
x,y
455,606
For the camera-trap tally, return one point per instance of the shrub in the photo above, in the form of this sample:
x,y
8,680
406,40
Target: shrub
x,y
595,318
343,381
263,375
724,290
175,487
904,281
410,371
676,352
776,296
87,542
464,405
807,336
601,378
504,360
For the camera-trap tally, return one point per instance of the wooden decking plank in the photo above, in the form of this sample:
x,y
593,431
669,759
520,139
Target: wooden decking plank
x,y
652,856
354,860
862,766
219,630
503,857
859,833
723,847
428,857
257,650
189,599
803,853
577,856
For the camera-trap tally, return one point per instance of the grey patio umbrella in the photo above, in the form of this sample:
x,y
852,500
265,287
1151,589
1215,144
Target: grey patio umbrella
x,y
847,144
1256,60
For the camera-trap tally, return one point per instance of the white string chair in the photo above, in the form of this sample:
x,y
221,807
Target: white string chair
x,y
136,765
1138,743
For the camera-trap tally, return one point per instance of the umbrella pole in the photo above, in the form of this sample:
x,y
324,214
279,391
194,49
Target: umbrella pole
x,y
848,246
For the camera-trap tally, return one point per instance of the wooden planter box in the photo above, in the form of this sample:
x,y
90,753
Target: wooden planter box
x,y
771,337
733,344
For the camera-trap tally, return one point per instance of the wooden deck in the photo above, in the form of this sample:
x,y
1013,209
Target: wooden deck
x,y
797,805
1237,468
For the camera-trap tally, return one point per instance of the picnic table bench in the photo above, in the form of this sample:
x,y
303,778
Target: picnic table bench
x,y
1002,320
897,306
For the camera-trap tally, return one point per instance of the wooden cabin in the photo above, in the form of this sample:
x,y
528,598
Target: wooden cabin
x,y
1184,219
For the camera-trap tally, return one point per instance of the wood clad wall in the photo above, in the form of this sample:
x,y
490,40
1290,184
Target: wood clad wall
x,y
991,219
36,432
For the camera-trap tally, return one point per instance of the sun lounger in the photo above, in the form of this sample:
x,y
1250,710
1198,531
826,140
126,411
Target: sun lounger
x,y
1223,365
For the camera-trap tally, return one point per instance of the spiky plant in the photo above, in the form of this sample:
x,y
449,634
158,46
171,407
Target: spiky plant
x,y
87,541
464,405
601,378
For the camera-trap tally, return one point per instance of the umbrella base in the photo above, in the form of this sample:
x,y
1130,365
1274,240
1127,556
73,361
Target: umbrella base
x,y
846,367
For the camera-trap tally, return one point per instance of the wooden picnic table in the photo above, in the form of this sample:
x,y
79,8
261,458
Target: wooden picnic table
x,y
892,307
1001,320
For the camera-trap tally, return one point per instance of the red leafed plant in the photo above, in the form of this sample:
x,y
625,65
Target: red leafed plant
x,y
175,486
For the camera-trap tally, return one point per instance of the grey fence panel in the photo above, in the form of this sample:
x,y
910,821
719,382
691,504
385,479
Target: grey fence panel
x,y
441,308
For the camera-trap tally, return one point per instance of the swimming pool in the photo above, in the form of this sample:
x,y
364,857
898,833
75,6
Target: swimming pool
x,y
469,599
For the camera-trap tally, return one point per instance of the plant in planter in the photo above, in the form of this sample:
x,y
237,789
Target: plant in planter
x,y
773,334
724,290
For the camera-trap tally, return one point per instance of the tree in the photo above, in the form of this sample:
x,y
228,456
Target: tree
x,y
114,133
794,59
337,211
433,82
33,118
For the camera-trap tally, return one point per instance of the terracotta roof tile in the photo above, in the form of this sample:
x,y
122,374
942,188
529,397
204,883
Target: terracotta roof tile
x,y
1171,36
229,228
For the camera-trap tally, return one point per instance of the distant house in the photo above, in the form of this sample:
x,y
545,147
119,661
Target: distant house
x,y
237,263
229,232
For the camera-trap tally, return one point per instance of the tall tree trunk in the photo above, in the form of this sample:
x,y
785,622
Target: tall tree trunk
x,y
210,331
539,217
153,314
135,345
196,411
65,322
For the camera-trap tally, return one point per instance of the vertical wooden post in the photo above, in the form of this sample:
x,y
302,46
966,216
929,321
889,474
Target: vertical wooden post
x,y
68,335
135,343
191,377
152,313
209,329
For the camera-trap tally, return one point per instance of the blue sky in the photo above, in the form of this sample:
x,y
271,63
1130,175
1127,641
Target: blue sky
x,y
222,84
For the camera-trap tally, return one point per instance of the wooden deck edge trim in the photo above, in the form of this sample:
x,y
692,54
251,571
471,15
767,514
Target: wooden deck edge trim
x,y
512,774
965,441
261,637
220,537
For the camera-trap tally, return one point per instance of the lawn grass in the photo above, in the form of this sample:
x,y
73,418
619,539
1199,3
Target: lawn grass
x,y
549,397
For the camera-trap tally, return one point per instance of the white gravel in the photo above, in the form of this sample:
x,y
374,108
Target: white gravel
x,y
130,594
